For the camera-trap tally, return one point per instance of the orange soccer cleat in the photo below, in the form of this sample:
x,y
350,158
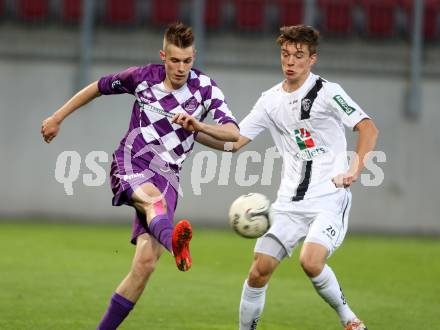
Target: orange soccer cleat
x,y
182,234
356,324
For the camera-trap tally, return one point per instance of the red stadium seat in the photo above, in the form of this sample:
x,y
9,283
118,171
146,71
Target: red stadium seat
x,y
72,11
33,10
164,11
213,13
380,17
120,12
249,14
291,12
337,16
430,14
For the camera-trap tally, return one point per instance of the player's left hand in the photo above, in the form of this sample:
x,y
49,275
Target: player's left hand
x,y
187,122
344,180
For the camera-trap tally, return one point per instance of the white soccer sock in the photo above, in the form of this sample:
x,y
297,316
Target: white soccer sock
x,y
251,305
328,288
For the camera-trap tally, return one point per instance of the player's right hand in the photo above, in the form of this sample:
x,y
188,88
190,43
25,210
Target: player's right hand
x,y
50,128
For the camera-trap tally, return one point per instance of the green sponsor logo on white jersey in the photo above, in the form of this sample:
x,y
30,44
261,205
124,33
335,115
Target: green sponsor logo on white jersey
x,y
344,106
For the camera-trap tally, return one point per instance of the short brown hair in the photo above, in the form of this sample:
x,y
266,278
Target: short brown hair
x,y
179,34
300,34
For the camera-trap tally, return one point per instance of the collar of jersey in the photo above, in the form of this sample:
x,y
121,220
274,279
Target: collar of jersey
x,y
304,87
162,87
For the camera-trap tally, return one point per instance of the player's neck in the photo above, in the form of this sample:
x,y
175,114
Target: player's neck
x,y
291,86
170,86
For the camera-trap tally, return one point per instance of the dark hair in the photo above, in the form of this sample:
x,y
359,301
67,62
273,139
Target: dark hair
x,y
179,34
300,34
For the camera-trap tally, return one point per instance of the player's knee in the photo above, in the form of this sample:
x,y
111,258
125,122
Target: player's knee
x,y
311,266
159,206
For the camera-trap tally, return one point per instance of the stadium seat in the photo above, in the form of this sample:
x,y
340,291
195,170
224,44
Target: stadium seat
x,y
72,11
291,12
379,17
430,12
336,16
249,14
213,13
120,12
164,11
33,10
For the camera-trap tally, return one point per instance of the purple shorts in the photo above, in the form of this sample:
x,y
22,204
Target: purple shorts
x,y
127,176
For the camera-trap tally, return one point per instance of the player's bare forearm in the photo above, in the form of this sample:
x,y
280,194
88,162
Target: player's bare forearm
x,y
51,125
366,143
80,99
211,142
227,132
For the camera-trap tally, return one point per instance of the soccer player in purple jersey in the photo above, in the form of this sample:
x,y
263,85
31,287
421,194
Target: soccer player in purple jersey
x,y
172,100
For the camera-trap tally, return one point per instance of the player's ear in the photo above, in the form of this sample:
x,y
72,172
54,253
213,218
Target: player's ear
x,y
162,55
313,58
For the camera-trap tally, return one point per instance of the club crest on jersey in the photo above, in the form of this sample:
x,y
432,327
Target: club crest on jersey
x,y
307,147
306,104
190,105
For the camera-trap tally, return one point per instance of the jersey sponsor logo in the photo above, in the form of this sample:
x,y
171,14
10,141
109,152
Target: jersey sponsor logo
x,y
190,105
344,106
144,100
146,97
309,154
304,139
307,147
116,83
128,177
151,108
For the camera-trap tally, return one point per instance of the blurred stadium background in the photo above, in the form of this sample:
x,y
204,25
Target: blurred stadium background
x,y
385,58
385,53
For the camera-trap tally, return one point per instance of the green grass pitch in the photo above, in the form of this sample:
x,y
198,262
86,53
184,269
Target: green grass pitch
x,y
61,277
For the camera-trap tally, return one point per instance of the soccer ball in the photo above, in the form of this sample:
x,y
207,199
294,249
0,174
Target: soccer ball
x,y
249,215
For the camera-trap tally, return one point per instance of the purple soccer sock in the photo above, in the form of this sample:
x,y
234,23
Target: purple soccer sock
x,y
117,311
162,229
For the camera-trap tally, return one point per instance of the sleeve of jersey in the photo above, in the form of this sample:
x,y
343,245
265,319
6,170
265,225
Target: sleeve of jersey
x,y
218,108
255,122
121,82
348,110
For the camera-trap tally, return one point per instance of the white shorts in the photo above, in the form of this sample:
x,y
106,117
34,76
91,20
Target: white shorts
x,y
321,220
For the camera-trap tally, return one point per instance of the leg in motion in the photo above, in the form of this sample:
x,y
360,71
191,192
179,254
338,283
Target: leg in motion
x,y
254,290
148,251
149,201
313,259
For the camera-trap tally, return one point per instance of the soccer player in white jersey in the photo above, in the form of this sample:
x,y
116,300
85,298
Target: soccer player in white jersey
x,y
171,101
305,115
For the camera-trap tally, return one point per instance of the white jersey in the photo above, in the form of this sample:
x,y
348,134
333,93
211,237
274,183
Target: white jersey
x,y
307,127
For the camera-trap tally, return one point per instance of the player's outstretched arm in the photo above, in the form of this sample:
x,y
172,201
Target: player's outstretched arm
x,y
226,132
366,142
211,142
51,125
